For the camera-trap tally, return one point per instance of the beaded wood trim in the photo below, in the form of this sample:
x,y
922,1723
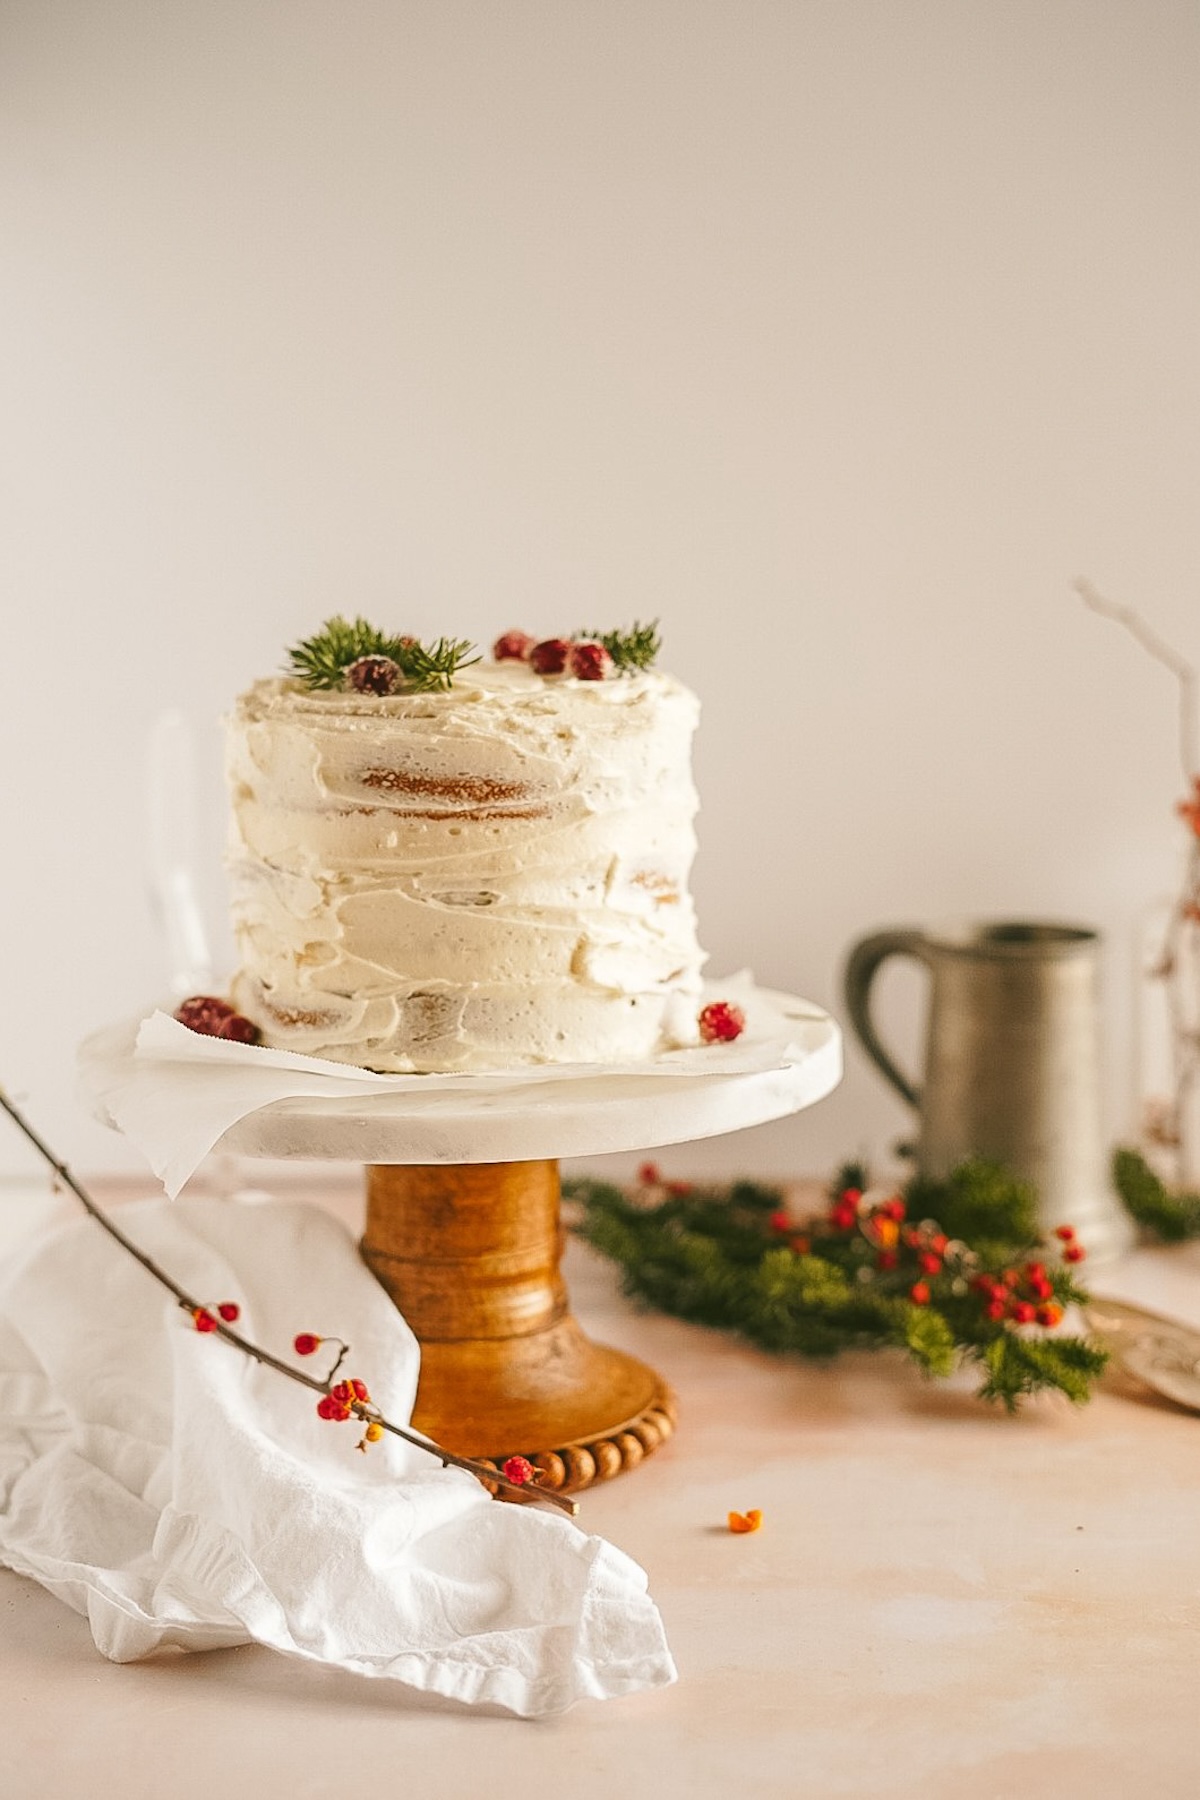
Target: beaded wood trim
x,y
572,1467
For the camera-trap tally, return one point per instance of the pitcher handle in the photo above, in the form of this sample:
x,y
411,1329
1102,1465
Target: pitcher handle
x,y
862,966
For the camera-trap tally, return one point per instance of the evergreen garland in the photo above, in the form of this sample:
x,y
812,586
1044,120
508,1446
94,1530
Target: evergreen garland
x,y
859,1277
1171,1217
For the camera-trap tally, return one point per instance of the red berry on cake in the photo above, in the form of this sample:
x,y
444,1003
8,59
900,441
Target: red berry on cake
x,y
373,675
720,1022
550,657
590,662
514,646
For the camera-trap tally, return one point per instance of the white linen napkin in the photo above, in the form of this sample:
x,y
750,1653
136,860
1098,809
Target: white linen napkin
x,y
175,1093
177,1493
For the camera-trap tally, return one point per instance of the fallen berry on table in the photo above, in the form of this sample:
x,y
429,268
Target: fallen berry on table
x,y
739,1523
721,1022
519,1470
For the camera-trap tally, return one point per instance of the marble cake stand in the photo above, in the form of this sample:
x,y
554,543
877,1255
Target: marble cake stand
x,y
463,1230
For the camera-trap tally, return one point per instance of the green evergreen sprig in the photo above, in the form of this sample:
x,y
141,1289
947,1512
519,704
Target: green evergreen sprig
x,y
729,1258
321,661
636,648
1166,1215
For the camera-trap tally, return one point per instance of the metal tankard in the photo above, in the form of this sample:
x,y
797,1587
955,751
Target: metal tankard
x,y
1012,1061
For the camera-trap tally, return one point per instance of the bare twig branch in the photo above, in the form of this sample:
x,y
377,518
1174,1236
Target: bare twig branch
x,y
1162,652
482,1471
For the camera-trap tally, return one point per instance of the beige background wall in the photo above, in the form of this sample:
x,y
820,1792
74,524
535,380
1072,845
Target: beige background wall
x,y
842,335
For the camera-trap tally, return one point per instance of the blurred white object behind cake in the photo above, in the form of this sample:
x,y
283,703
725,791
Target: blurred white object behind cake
x,y
473,879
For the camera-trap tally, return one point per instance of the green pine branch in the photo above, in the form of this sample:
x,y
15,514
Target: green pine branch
x,y
714,1257
1171,1217
321,661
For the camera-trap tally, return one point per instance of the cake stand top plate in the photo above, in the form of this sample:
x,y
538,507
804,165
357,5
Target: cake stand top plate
x,y
527,1119
581,1115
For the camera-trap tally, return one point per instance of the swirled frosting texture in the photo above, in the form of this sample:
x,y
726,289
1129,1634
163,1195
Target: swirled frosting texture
x,y
478,879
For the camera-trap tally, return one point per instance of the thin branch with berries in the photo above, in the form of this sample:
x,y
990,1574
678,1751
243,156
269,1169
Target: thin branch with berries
x,y
339,1400
947,1272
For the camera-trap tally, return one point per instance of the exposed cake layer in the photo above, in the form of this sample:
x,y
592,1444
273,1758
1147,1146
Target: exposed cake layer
x,y
475,879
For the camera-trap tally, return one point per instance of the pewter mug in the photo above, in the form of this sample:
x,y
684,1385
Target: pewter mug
x,y
1012,1061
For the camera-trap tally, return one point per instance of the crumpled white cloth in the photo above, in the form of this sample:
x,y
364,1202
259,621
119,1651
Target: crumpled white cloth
x,y
174,1093
177,1493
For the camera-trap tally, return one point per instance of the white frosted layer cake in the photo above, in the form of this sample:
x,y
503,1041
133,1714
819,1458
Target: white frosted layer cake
x,y
473,879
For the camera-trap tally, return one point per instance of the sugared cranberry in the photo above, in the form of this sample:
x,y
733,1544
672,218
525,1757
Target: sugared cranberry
x,y
373,675
550,657
590,662
720,1022
211,1017
514,646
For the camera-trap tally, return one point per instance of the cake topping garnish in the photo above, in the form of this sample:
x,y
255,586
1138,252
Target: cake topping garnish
x,y
588,656
720,1022
374,675
344,645
634,649
590,662
514,646
550,657
211,1017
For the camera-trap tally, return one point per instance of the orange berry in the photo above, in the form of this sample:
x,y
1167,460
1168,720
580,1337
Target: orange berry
x,y
747,1521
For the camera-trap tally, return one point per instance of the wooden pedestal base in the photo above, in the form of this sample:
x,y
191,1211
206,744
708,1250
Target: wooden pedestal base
x,y
470,1255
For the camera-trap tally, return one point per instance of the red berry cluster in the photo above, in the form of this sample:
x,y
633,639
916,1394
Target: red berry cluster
x,y
1018,1296
1072,1251
1023,1296
651,1176
203,1319
584,659
211,1017
721,1022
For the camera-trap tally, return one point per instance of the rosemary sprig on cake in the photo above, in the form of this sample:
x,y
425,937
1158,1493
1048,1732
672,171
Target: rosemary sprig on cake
x,y
352,653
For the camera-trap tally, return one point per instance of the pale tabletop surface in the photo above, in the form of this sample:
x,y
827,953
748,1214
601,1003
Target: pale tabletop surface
x,y
942,1602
